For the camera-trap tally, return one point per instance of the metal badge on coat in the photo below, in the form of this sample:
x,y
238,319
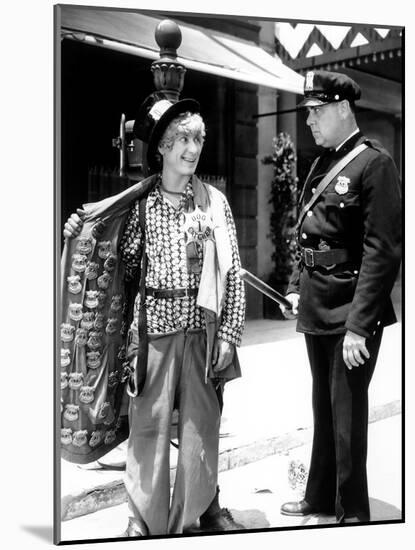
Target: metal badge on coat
x,y
198,226
79,438
342,185
96,438
66,436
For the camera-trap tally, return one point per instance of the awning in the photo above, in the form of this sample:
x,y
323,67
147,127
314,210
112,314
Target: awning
x,y
201,49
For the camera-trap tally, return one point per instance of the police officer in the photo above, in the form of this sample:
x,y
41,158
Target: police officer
x,y
349,237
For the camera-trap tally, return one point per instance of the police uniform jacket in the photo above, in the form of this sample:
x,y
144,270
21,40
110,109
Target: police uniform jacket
x,y
363,216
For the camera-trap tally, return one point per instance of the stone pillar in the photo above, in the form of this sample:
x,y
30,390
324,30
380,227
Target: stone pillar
x,y
287,122
267,129
244,185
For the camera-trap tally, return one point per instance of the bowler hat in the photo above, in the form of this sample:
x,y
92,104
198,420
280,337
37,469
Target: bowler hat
x,y
155,114
322,87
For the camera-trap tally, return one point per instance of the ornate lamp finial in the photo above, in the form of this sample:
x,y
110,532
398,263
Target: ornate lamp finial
x,y
168,73
168,37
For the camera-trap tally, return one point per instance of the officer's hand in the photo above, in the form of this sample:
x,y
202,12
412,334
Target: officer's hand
x,y
223,353
74,224
292,313
354,349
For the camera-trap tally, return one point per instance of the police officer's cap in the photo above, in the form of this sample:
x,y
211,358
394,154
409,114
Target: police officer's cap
x,y
154,115
322,87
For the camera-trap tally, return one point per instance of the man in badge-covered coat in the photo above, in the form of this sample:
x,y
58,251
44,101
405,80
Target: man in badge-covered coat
x,y
160,262
349,240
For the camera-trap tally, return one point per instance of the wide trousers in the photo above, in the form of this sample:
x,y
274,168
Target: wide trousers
x,y
337,481
175,379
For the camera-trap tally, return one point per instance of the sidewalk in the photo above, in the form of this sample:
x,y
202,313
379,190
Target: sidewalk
x,y
266,412
254,492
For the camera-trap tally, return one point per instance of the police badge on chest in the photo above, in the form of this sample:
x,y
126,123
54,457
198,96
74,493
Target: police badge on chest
x,y
342,185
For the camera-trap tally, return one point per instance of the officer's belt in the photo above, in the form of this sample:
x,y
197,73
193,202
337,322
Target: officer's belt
x,y
171,292
331,257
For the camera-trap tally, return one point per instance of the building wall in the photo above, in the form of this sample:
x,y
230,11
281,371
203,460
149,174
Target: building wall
x,y
267,130
244,197
98,85
251,179
385,128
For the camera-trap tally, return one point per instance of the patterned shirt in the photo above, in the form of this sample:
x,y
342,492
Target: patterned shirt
x,y
168,267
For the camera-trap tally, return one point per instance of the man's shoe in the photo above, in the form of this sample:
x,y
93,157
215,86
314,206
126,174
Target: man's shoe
x,y
194,528
301,508
220,521
134,529
352,519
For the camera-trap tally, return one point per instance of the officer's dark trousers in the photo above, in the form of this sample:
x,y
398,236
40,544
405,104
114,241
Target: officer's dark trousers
x,y
337,481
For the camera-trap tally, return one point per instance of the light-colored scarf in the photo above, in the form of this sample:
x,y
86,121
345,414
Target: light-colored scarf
x,y
217,261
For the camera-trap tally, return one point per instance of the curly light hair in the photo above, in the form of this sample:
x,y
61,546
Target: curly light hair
x,y
186,123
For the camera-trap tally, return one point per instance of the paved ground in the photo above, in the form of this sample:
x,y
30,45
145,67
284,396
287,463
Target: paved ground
x,y
255,492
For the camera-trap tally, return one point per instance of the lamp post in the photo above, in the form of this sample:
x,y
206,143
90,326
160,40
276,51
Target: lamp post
x,y
168,76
